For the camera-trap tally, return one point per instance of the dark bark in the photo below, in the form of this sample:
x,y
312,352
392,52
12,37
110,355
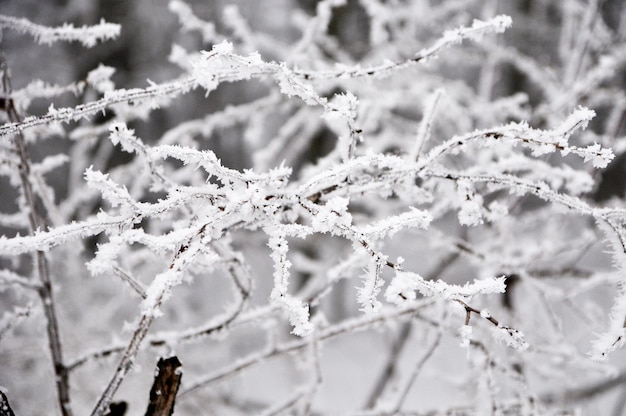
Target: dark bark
x,y
5,407
117,409
165,387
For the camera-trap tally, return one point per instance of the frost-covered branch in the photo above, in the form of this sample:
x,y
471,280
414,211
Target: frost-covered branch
x,y
89,36
260,200
65,115
450,38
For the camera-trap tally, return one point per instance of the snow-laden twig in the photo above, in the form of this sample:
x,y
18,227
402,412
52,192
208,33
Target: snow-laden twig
x,y
89,36
450,38
338,172
81,111
221,65
157,292
297,311
538,141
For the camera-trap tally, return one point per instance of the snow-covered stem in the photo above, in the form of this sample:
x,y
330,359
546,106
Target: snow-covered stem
x,y
258,68
123,367
89,36
450,38
65,115
157,293
392,366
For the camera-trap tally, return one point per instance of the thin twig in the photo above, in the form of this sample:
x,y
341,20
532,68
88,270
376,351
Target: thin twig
x,y
183,257
94,107
391,367
36,222
416,371
348,326
215,325
134,284
124,365
317,373
584,393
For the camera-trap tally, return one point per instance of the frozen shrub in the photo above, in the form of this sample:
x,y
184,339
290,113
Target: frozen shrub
x,y
398,215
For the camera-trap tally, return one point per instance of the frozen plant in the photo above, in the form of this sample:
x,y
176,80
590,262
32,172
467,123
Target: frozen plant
x,y
364,217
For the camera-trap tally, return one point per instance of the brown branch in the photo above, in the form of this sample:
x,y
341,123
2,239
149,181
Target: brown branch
x,y
165,387
469,310
36,221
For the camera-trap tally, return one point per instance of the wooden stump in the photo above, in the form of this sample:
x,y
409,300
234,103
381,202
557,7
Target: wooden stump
x,y
165,387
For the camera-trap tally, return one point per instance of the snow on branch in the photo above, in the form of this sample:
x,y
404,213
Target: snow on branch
x,y
222,64
615,337
404,284
372,284
539,141
296,311
323,199
89,36
387,227
45,240
161,286
450,38
116,195
111,98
